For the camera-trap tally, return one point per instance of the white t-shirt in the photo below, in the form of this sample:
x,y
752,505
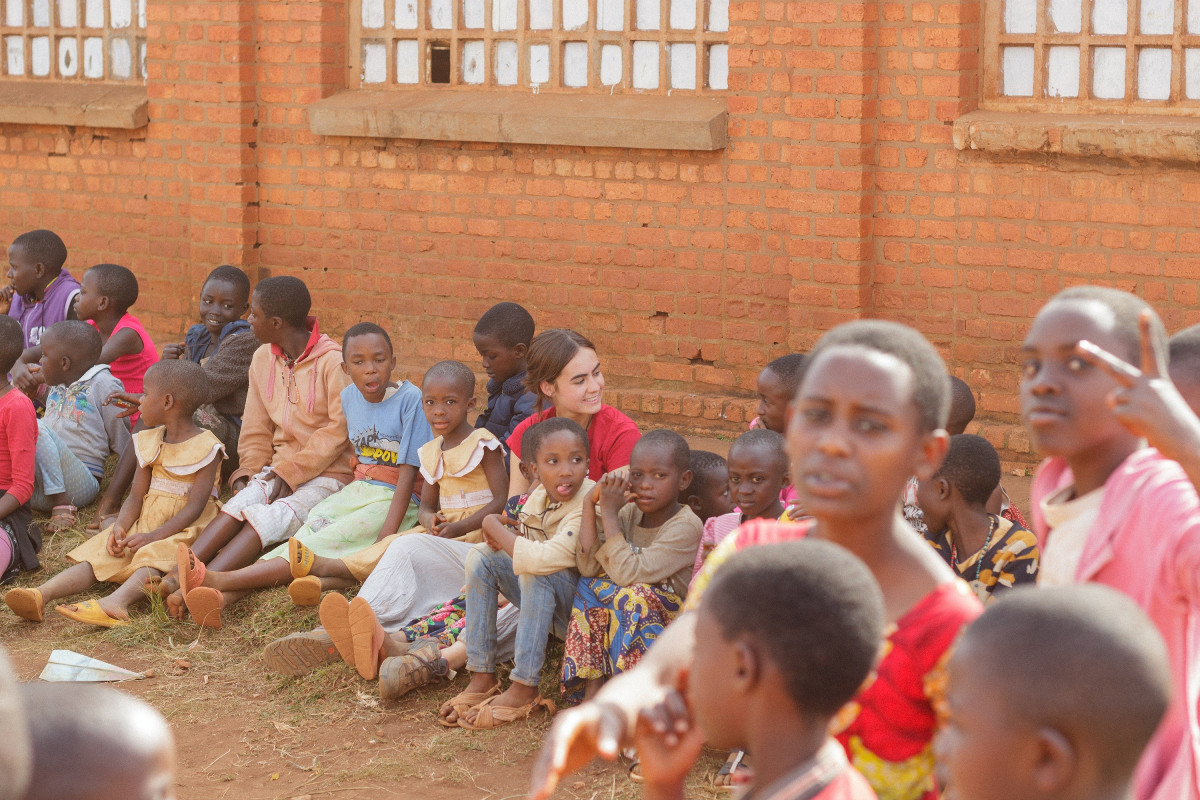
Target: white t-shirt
x,y
1070,520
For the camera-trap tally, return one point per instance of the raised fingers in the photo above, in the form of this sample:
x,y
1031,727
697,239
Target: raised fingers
x,y
1126,374
1153,364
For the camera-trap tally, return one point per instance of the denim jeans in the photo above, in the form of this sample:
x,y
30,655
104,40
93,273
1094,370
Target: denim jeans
x,y
544,602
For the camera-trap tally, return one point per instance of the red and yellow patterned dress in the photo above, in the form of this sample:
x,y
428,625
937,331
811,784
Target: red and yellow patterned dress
x,y
888,728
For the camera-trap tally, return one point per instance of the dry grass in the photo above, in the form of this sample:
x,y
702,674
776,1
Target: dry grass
x,y
326,732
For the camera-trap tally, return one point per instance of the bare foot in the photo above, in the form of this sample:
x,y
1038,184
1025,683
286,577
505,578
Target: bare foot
x,y
163,585
114,610
515,696
175,605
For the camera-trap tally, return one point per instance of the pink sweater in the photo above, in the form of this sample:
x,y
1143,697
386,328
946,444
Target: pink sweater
x,y
1146,543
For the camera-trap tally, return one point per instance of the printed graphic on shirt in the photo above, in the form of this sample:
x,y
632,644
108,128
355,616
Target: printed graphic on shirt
x,y
371,447
69,401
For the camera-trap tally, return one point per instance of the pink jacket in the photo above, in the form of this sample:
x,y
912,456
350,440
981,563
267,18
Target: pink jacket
x,y
1146,543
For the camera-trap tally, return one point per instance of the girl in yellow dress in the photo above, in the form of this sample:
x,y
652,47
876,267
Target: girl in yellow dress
x,y
173,497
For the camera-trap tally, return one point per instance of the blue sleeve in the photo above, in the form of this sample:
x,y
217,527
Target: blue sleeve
x,y
416,430
522,410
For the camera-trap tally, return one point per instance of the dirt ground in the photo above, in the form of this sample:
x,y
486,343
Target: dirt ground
x,y
244,733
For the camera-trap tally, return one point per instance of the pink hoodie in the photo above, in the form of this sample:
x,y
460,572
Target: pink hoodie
x,y
1146,543
294,420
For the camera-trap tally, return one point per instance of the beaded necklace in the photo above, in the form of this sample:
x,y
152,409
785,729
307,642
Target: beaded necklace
x,y
992,524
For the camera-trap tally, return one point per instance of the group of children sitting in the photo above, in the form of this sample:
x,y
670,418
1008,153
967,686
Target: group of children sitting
x,y
475,539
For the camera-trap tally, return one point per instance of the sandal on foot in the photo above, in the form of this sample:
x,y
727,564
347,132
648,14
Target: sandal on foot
x,y
90,612
493,716
335,619
26,603
205,604
726,775
635,765
300,653
191,569
305,591
62,518
400,675
366,636
461,702
300,558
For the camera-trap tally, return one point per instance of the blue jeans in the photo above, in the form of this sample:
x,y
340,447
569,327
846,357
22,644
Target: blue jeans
x,y
544,602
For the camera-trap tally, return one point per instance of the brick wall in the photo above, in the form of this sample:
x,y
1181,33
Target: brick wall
x,y
840,195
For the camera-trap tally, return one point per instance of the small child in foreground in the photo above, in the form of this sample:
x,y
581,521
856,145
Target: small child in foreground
x,y
774,689
174,495
535,569
635,563
708,493
78,431
758,469
106,293
41,294
97,743
1093,678
989,552
19,540
502,337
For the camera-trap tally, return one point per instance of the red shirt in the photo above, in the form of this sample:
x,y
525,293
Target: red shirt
x,y
18,439
611,437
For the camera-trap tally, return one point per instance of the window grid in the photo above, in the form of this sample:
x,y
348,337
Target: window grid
x,y
94,41
501,54
1005,65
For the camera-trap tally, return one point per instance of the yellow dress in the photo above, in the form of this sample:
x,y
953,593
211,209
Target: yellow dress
x,y
173,471
462,491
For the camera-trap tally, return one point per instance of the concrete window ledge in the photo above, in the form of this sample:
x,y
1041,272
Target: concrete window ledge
x,y
636,121
1106,136
89,105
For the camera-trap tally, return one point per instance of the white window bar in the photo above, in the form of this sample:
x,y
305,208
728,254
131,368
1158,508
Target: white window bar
x,y
99,41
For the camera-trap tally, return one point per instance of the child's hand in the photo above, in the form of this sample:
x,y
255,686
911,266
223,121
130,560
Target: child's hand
x,y
6,296
665,752
116,542
1146,402
239,484
140,540
615,491
498,532
173,350
127,402
26,377
279,487
437,523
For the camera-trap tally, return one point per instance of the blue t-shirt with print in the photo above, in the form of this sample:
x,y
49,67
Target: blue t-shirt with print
x,y
390,432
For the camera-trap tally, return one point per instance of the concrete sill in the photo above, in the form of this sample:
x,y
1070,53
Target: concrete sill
x,y
1117,136
651,122
89,105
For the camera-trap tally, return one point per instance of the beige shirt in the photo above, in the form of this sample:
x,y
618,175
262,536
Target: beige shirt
x,y
634,554
1070,521
549,537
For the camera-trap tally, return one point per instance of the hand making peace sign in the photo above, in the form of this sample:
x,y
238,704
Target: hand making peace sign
x,y
1145,401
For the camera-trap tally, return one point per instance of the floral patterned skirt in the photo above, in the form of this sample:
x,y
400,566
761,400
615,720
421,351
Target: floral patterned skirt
x,y
611,628
445,623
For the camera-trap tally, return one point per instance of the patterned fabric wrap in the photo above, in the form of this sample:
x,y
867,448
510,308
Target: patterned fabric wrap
x,y
446,623
611,628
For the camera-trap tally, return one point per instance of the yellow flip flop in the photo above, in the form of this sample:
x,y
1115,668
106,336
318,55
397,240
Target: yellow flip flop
x,y
300,558
305,591
26,603
90,612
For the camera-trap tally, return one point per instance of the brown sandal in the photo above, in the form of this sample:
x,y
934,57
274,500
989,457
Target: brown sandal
x,y
492,716
461,702
62,518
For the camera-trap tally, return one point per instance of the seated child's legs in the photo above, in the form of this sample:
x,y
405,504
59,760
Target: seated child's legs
x,y
275,522
545,607
60,478
489,574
